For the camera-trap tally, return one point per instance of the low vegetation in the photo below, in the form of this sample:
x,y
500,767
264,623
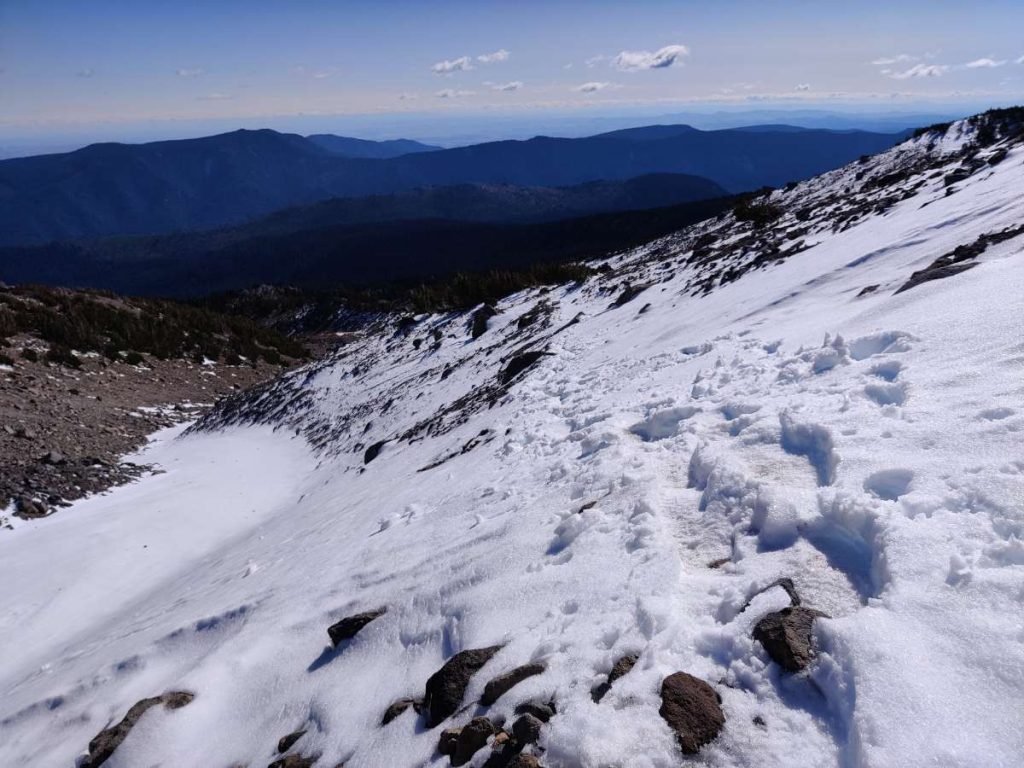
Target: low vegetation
x,y
71,322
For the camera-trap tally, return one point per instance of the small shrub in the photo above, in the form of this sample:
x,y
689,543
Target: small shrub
x,y
232,358
6,359
134,358
30,355
759,214
62,355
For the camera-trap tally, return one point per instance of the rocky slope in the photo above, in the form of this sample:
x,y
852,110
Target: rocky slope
x,y
747,497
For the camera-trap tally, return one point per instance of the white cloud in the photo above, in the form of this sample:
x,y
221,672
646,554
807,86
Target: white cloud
x,y
490,58
1020,60
461,64
407,97
86,72
632,61
515,85
591,87
901,58
189,72
215,97
593,61
920,70
803,87
449,93
984,63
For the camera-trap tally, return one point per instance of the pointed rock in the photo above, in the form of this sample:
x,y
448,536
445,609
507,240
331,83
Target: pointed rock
x,y
471,739
691,708
398,707
787,636
447,686
106,741
502,684
526,729
287,742
348,627
621,667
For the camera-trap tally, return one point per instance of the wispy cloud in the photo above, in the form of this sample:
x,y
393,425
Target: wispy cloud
x,y
515,85
316,74
920,70
632,61
591,87
1020,60
86,72
803,87
407,97
593,61
900,58
490,58
189,72
450,93
446,67
215,97
984,63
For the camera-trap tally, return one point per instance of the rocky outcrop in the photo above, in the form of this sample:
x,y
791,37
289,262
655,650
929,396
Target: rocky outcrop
x,y
398,707
692,709
502,684
287,742
106,741
480,318
447,686
471,739
787,636
349,627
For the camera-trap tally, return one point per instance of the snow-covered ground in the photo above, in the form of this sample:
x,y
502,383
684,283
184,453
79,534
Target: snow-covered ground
x,y
783,425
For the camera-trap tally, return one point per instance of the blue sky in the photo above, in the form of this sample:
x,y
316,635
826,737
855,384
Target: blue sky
x,y
93,64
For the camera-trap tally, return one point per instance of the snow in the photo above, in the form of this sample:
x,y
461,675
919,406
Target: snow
x,y
868,447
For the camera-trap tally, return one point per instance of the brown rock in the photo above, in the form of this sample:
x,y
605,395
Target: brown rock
x,y
526,729
287,742
500,685
621,667
106,741
294,761
398,707
348,627
449,738
446,687
786,636
690,707
471,739
541,711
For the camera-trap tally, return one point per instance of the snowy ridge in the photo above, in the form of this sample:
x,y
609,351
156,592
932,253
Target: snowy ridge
x,y
732,405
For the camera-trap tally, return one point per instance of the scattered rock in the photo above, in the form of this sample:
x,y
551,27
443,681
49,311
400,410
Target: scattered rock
x,y
106,741
373,451
500,685
287,742
621,667
524,761
629,293
446,687
29,508
542,712
480,318
54,458
719,562
691,708
471,739
786,636
348,627
398,707
449,738
526,729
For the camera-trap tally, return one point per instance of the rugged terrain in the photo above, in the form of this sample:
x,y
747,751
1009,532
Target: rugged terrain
x,y
750,495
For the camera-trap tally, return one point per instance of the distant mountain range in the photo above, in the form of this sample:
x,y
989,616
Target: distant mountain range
x,y
229,179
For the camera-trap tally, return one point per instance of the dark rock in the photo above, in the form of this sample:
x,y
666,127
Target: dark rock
x,y
786,636
691,708
446,687
629,293
719,562
784,583
287,742
294,761
518,364
526,729
542,712
54,458
348,627
449,738
29,508
472,738
524,761
373,451
480,318
398,707
621,667
500,685
106,741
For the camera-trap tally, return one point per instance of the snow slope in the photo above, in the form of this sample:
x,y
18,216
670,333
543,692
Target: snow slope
x,y
752,407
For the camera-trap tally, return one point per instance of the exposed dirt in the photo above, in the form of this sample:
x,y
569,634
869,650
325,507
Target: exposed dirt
x,y
63,431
